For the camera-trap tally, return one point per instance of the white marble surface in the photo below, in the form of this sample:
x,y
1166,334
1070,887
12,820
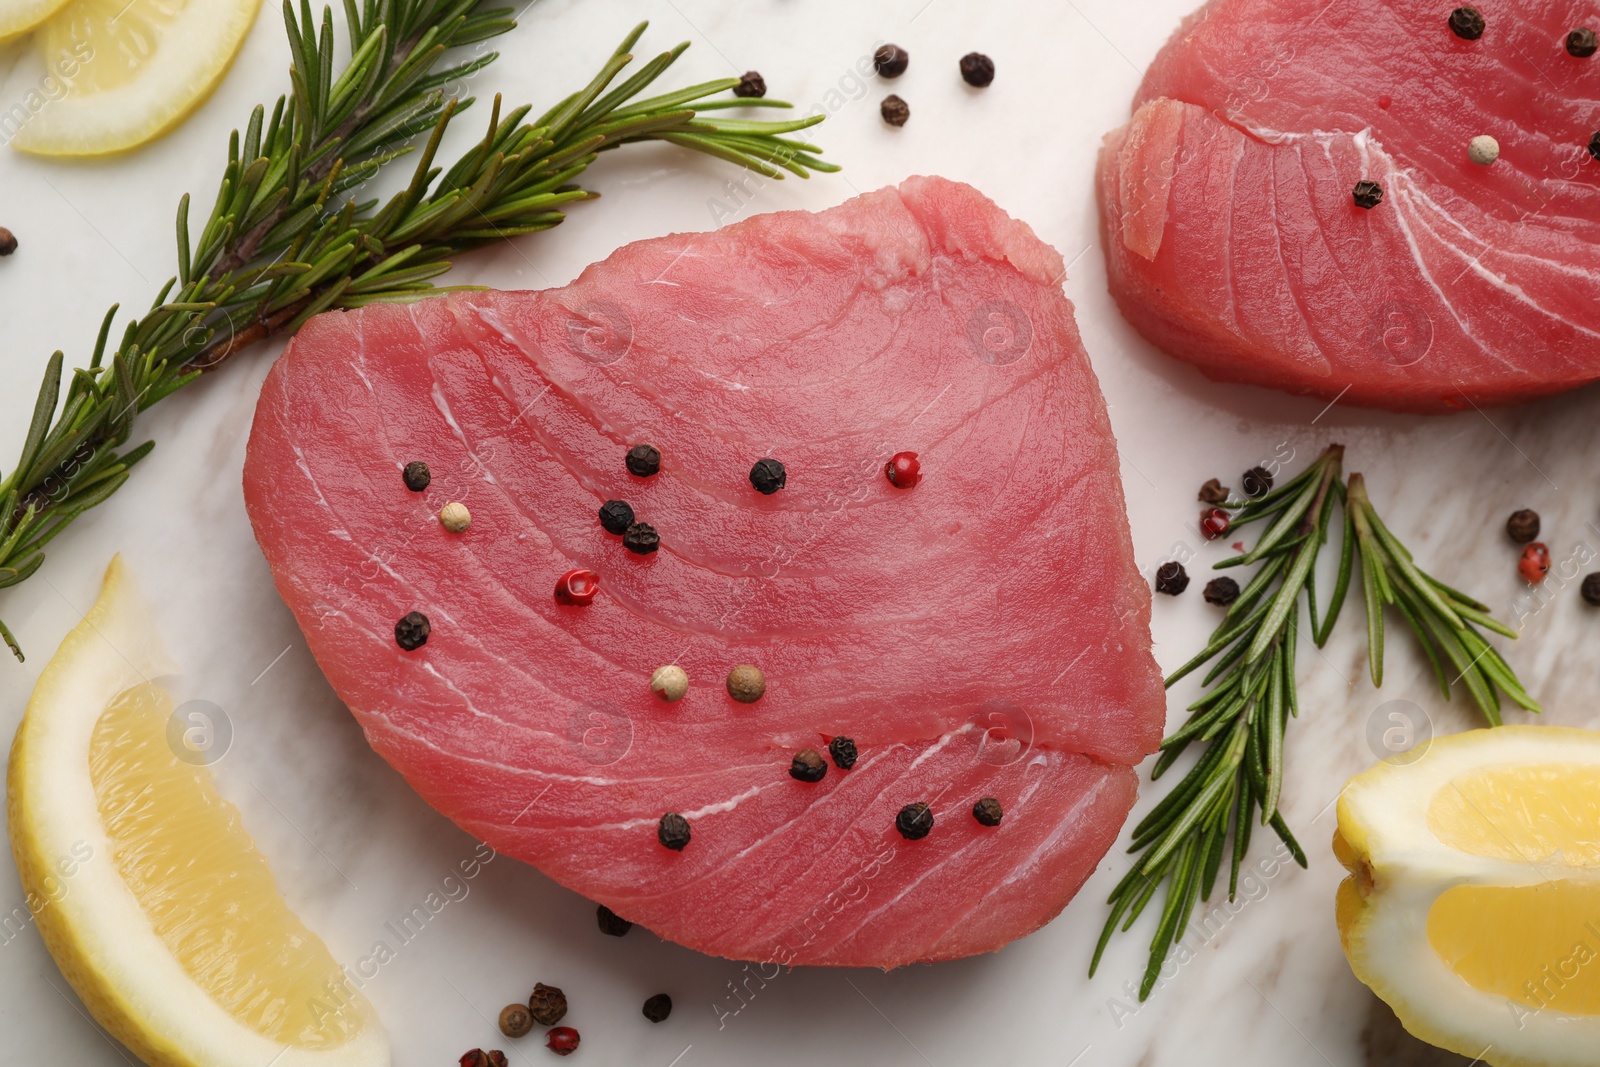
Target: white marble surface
x,y
354,849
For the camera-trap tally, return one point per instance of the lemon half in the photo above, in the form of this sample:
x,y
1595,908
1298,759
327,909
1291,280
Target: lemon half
x,y
17,17
119,73
145,887
1473,905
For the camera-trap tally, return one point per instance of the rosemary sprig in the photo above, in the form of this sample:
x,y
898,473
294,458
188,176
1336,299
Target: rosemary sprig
x,y
283,241
1241,719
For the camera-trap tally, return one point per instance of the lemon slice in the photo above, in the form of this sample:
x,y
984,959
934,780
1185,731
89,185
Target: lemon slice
x,y
1473,905
19,16
131,71
146,889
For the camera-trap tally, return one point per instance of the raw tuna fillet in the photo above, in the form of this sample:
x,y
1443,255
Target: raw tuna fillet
x,y
1233,240
981,634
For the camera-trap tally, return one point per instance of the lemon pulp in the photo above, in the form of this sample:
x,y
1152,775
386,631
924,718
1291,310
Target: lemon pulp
x,y
1544,813
124,34
1538,945
208,892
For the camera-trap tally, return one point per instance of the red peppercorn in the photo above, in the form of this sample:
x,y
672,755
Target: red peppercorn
x,y
1214,522
903,471
577,587
563,1041
1535,563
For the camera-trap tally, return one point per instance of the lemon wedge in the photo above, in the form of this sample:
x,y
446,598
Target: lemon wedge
x,y
125,71
1473,902
145,887
17,17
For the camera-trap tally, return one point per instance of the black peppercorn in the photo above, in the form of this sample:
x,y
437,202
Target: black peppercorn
x,y
1222,591
658,1007
1523,526
914,821
1171,578
616,516
894,110
1214,492
1591,589
891,60
611,923
1367,194
515,1020
641,538
1594,145
768,476
807,766
416,476
643,460
1257,481
987,811
977,69
548,1004
1466,23
411,632
673,831
1582,42
843,751
752,84
8,242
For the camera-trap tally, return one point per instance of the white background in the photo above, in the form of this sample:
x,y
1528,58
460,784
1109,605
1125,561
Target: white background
x,y
354,849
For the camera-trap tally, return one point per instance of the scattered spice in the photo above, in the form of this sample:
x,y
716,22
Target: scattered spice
x,y
515,1020
8,242
670,682
807,766
1257,481
1582,42
1534,564
1221,591
455,517
416,476
1367,194
563,1040
611,923
547,1004
1214,522
751,84
1483,150
1171,578
977,69
894,110
746,684
1594,144
891,60
914,821
1385,100
903,470
616,516
658,1007
987,811
411,632
1466,23
479,1058
673,831
768,476
577,587
1591,589
641,539
1523,526
643,460
843,751
1214,492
